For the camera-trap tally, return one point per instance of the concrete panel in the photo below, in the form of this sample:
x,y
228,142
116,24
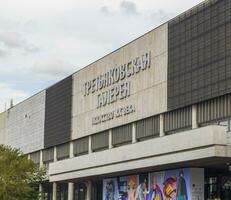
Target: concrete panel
x,y
2,127
229,138
148,87
197,183
179,157
25,124
199,143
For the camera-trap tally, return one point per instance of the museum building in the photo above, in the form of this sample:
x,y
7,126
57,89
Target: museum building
x,y
151,120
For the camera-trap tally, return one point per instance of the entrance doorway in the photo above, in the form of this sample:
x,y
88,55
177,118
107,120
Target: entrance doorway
x,y
97,190
218,187
80,191
47,191
62,191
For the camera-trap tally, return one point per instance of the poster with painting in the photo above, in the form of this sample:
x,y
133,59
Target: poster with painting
x,y
110,189
142,188
122,188
164,185
169,185
131,187
127,187
156,186
180,184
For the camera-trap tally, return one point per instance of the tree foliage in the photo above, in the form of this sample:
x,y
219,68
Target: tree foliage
x,y
19,176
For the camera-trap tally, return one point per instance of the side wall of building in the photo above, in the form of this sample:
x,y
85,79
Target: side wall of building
x,y
2,127
25,124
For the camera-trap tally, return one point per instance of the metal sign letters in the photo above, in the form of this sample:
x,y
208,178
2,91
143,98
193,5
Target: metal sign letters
x,y
114,85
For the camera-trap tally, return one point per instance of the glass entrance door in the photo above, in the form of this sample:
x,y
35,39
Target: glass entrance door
x,y
97,190
80,191
218,188
62,191
226,188
47,191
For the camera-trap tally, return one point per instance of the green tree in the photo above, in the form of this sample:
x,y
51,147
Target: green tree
x,y
19,176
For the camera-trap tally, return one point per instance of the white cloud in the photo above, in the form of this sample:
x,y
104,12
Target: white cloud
x,y
52,67
8,93
129,7
13,40
161,16
105,10
3,53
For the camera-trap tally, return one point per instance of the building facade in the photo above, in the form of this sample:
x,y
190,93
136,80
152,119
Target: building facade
x,y
150,120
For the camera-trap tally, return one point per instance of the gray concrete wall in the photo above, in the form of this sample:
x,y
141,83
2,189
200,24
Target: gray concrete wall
x,y
197,183
148,87
2,127
25,124
229,137
195,144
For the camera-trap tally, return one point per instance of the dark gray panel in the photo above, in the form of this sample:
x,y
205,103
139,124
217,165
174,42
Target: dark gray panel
x,y
48,155
100,141
149,127
80,146
214,109
35,157
122,135
58,113
199,64
63,151
178,119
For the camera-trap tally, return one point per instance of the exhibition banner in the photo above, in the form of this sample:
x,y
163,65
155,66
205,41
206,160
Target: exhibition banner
x,y
164,185
169,185
110,189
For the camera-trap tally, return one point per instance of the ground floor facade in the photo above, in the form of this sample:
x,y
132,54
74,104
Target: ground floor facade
x,y
190,165
185,183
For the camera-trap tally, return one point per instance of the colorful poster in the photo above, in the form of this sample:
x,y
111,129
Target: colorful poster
x,y
131,187
110,189
127,187
157,180
170,185
142,188
165,185
123,188
182,184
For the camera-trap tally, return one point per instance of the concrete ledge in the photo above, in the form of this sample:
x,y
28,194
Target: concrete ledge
x,y
188,145
229,138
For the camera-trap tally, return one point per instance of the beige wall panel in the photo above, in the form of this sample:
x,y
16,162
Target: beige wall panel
x,y
2,127
25,124
148,88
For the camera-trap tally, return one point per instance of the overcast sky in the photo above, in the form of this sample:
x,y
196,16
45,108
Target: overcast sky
x,y
42,41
